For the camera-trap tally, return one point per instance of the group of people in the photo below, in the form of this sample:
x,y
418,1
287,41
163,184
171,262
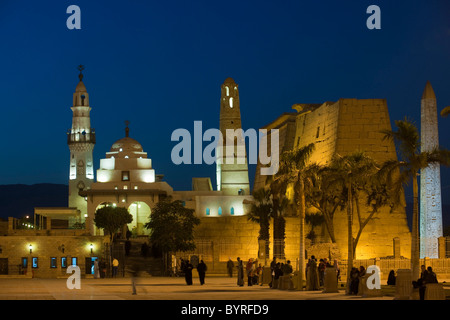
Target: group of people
x,y
315,272
427,275
252,270
186,267
355,279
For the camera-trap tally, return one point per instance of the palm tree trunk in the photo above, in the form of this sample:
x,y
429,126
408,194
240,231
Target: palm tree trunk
x,y
301,256
415,258
350,237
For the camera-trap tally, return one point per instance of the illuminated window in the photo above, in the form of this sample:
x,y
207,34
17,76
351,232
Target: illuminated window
x,y
220,211
74,261
125,187
63,262
125,175
227,90
126,157
208,212
231,102
232,211
34,262
53,262
135,187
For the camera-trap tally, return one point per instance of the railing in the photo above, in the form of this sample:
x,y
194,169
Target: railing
x,y
81,137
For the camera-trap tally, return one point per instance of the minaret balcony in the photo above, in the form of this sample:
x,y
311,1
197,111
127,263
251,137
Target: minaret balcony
x,y
79,137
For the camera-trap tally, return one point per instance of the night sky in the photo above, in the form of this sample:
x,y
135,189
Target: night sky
x,y
160,65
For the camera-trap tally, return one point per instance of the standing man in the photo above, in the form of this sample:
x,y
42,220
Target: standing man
x,y
230,267
240,273
201,268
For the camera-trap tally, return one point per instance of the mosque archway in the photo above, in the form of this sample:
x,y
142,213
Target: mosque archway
x,y
141,213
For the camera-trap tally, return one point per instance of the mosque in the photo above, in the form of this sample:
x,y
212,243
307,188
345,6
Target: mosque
x,y
125,177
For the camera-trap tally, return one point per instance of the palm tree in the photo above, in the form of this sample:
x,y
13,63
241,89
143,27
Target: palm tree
x,y
352,172
261,212
445,112
400,173
325,195
293,172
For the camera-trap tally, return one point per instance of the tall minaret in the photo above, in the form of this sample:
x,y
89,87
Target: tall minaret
x,y
430,181
81,141
232,172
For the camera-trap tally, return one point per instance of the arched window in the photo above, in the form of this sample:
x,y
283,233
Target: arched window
x,y
231,102
232,211
227,90
207,212
220,211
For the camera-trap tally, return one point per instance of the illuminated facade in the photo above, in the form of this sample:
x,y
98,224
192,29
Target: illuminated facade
x,y
81,141
430,183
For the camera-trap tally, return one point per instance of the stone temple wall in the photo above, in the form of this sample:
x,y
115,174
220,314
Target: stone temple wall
x,y
343,127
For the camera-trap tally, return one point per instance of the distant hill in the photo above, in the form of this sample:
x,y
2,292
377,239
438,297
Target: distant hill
x,y
18,200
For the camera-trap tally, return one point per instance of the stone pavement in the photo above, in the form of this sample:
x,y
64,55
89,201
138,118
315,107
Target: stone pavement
x,y
157,288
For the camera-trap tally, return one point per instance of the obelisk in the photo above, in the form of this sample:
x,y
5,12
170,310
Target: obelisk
x,y
430,180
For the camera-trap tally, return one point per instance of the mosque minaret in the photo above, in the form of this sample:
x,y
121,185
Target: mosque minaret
x,y
81,141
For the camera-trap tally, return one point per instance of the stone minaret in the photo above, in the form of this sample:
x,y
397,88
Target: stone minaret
x,y
232,178
81,141
430,181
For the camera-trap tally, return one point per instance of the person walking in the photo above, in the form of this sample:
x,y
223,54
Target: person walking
x,y
201,269
230,267
115,267
96,270
240,273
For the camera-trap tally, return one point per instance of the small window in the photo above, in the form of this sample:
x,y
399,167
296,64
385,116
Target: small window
x,y
241,192
232,211
208,212
63,262
125,175
231,102
220,211
318,132
53,262
74,261
34,262
24,263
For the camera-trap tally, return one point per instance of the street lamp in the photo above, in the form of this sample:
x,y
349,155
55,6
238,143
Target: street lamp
x,y
31,248
91,246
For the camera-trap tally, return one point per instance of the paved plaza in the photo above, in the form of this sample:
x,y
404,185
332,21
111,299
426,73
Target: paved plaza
x,y
156,288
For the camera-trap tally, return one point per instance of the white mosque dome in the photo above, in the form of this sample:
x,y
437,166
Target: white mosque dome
x,y
126,145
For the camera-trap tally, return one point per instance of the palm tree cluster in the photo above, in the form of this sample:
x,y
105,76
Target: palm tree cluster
x,y
355,183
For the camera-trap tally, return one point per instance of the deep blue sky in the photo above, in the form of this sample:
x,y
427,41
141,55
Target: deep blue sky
x,y
160,64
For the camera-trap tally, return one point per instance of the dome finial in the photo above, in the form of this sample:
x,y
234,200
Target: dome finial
x,y
127,130
80,68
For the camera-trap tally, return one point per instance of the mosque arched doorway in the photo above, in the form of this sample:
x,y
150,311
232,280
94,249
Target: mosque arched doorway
x,y
141,213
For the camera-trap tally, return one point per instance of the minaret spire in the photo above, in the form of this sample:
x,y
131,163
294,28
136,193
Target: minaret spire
x,y
80,68
232,176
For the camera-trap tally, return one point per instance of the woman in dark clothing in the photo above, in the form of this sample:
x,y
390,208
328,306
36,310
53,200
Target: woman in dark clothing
x,y
188,272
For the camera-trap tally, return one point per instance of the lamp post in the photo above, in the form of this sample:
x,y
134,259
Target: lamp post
x,y
91,246
31,248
